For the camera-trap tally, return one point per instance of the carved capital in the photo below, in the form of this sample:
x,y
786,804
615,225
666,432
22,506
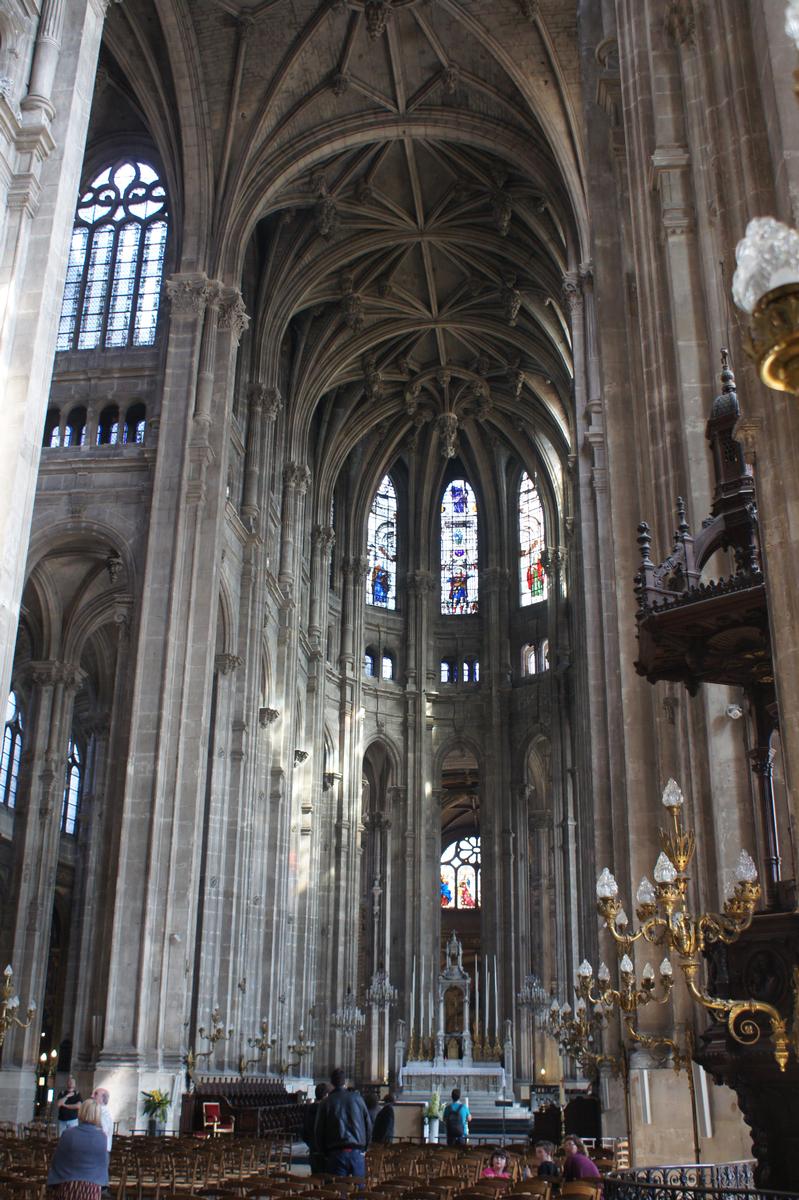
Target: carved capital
x,y
190,294
267,716
233,314
681,21
225,663
300,756
323,536
296,478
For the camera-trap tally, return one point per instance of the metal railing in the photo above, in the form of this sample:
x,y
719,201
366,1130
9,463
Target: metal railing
x,y
697,1181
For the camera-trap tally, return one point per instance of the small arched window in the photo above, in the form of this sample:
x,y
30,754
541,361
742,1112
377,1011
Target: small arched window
x,y
72,789
387,667
471,670
52,428
532,578
459,558
116,261
460,874
381,547
133,429
529,659
108,426
11,753
448,671
369,660
75,428
543,661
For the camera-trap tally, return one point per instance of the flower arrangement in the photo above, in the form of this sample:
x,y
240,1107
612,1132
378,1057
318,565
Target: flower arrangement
x,y
433,1109
156,1104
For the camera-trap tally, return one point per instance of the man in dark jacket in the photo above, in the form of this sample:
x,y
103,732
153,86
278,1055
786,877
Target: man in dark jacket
x,y
316,1159
383,1129
343,1128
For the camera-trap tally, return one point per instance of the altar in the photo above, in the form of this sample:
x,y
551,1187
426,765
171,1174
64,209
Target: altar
x,y
455,1057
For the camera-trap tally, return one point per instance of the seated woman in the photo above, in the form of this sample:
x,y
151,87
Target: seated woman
x,y
578,1165
497,1167
79,1170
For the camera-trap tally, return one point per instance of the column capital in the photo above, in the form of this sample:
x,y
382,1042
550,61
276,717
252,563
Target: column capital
x,y
267,398
233,316
421,582
190,294
323,536
225,663
48,672
296,477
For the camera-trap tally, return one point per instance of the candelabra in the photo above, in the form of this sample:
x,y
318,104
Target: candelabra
x,y
349,1020
577,1033
9,1004
380,992
662,910
299,1047
262,1044
217,1034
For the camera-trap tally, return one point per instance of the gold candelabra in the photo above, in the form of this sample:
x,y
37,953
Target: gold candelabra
x,y
578,1034
301,1048
217,1034
665,920
262,1044
9,1004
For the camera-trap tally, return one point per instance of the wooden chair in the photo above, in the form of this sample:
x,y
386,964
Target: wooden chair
x,y
581,1189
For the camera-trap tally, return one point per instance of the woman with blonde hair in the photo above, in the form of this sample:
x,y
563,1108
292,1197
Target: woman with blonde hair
x,y
79,1170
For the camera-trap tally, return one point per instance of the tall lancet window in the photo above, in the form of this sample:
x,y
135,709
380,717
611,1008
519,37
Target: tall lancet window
x,y
116,260
11,753
381,549
532,543
459,562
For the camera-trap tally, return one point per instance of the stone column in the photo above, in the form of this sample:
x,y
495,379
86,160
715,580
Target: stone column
x,y
37,837
35,230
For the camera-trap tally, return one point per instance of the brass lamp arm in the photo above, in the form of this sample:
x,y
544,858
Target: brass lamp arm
x,y
739,1016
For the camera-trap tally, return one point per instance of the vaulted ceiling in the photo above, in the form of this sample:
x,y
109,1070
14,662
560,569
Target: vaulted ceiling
x,y
397,183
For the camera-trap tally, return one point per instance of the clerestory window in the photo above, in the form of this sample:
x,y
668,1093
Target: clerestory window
x,y
532,543
72,789
460,874
459,556
116,261
381,548
11,753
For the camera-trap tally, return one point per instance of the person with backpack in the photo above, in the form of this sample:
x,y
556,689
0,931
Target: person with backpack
x,y
456,1120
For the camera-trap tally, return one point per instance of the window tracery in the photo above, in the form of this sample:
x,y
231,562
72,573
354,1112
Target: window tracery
x,y
459,550
116,261
532,543
381,549
460,874
11,753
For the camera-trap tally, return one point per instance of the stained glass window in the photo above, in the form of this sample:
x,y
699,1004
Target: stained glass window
x,y
369,663
532,579
11,753
72,786
460,874
458,549
116,260
381,576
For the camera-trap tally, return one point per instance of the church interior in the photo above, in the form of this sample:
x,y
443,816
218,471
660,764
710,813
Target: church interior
x,y
400,528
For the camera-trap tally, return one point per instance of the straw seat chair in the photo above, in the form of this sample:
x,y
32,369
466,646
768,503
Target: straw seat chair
x,y
581,1189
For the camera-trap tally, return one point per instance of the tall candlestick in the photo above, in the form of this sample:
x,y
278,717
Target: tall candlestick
x,y
413,995
421,999
488,997
431,1013
496,1006
476,990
